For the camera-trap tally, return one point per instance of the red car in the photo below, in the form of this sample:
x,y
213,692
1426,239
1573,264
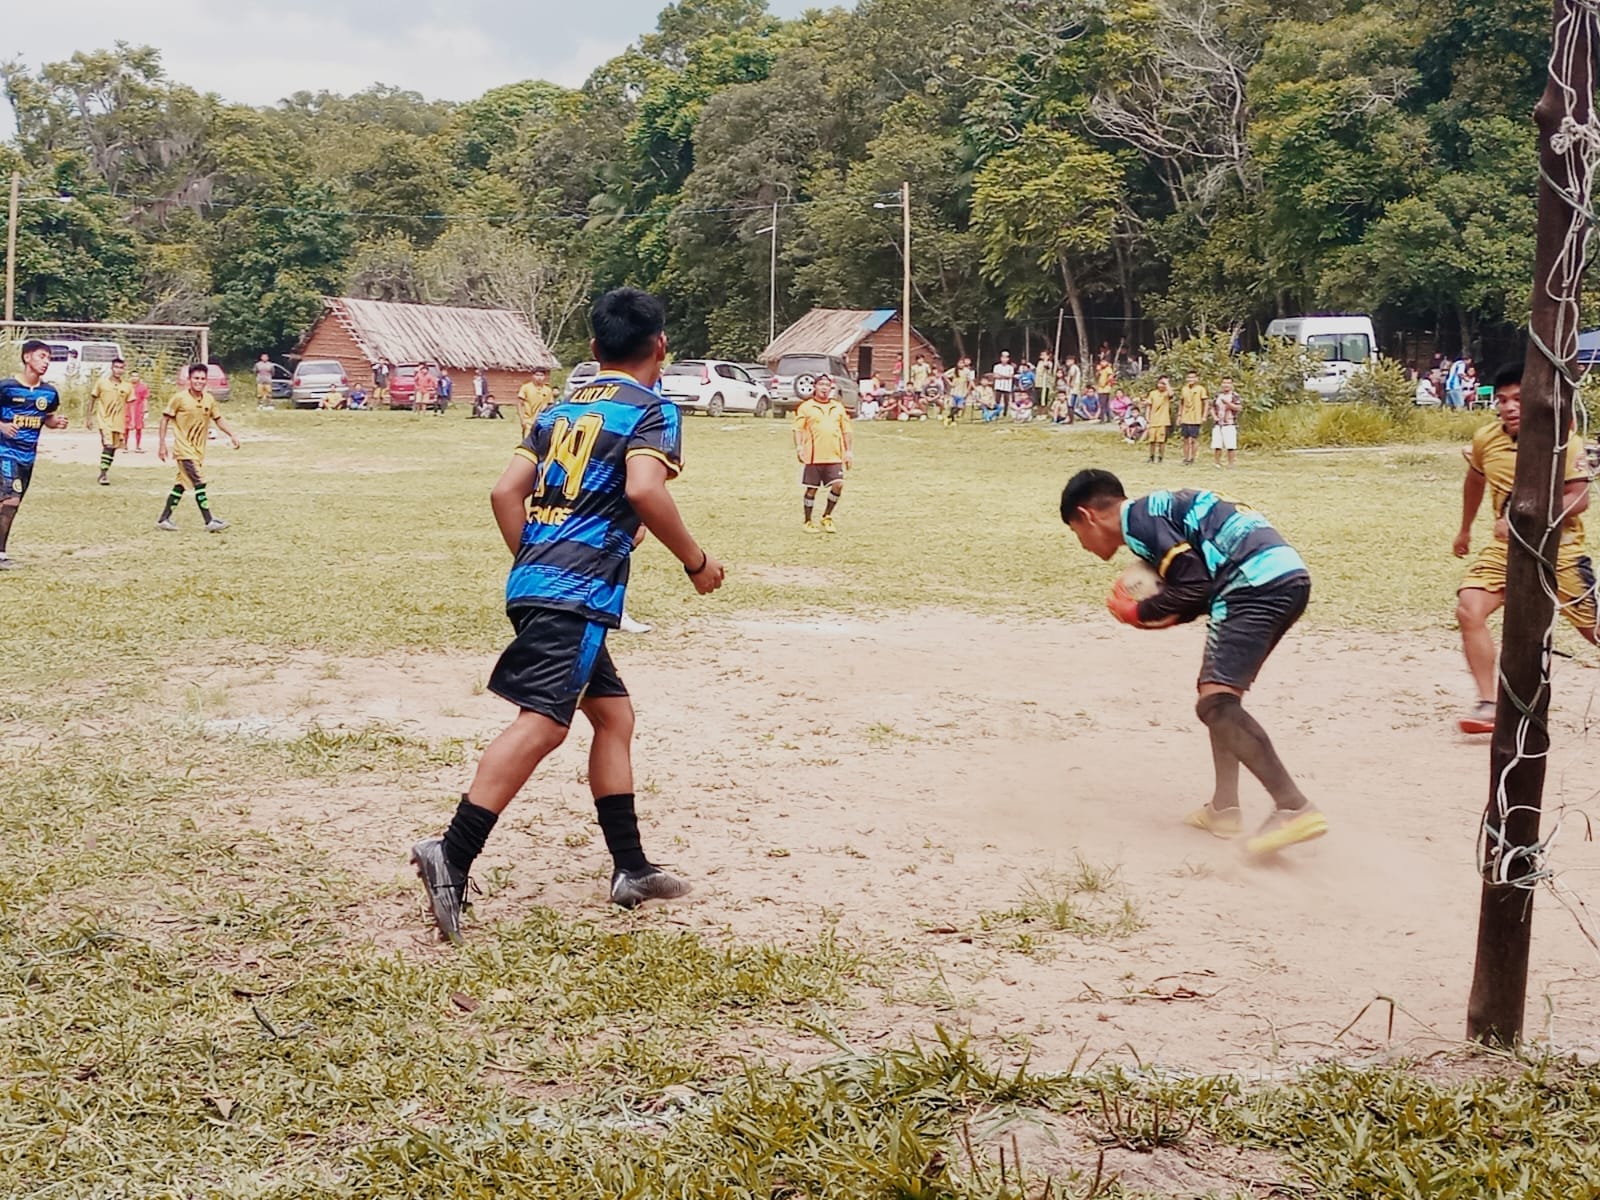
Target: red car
x,y
403,386
217,382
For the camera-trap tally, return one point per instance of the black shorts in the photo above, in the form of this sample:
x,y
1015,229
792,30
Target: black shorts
x,y
1189,431
1246,626
822,474
14,478
556,660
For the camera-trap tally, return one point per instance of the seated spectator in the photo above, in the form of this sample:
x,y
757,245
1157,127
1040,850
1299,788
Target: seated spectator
x,y
1021,406
988,401
1061,409
869,407
358,397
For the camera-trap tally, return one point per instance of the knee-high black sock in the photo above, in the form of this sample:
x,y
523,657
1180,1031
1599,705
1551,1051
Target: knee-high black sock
x,y
833,501
1226,763
620,826
173,497
200,499
107,453
469,830
1238,732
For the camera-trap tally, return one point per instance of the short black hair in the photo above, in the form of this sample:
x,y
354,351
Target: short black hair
x,y
1090,488
625,321
32,344
201,367
1507,374
119,359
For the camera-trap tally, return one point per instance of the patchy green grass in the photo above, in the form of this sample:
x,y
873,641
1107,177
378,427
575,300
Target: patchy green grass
x,y
188,1013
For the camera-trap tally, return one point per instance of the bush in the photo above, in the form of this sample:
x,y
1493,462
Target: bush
x,y
1270,379
1312,425
1382,385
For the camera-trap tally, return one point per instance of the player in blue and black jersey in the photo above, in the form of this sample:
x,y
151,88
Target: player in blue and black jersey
x,y
1220,559
27,405
590,476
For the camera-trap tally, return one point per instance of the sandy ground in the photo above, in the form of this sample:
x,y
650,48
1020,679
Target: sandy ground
x,y
907,780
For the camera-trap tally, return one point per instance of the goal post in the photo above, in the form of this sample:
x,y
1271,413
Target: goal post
x,y
81,350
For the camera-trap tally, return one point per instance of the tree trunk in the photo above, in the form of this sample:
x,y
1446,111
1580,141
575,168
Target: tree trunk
x,y
1079,320
1125,282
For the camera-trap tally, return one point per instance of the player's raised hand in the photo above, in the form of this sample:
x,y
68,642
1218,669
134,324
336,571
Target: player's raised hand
x,y
708,578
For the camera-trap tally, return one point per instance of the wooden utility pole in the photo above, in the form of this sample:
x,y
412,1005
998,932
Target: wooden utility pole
x,y
11,246
772,279
905,287
1505,916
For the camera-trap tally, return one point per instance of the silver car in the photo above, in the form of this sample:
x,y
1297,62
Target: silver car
x,y
580,375
794,380
315,378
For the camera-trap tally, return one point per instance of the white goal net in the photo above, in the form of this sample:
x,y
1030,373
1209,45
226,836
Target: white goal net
x,y
80,351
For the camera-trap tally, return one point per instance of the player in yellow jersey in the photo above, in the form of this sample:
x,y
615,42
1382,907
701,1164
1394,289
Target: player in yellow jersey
x,y
190,415
1492,467
1193,400
1158,415
533,398
110,395
822,444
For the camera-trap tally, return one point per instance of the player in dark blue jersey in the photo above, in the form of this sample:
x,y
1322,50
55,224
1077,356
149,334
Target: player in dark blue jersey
x,y
27,405
592,471
1218,558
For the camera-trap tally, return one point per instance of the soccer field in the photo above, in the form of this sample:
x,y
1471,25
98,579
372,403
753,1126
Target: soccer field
x,y
925,787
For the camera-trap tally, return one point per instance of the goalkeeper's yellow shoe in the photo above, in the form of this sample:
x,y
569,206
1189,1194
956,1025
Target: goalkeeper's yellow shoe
x,y
1222,823
1288,827
810,527
828,526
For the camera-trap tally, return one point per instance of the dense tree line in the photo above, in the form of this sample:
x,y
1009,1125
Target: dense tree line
x,y
1146,167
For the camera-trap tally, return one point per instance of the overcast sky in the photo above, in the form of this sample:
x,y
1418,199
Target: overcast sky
x,y
258,52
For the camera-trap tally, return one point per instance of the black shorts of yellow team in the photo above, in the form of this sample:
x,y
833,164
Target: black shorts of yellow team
x,y
1189,430
822,474
1247,625
557,660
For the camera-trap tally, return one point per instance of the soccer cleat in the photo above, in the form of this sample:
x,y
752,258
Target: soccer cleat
x,y
168,524
447,886
1222,823
216,525
828,526
629,889
103,481
811,527
9,564
1480,719
1288,827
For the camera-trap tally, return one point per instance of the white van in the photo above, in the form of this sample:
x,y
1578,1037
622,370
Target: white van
x,y
79,360
1345,343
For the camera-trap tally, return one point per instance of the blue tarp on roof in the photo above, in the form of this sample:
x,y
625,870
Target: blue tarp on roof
x,y
878,318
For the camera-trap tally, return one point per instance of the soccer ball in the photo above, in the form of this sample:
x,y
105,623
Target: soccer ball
x,y
1140,581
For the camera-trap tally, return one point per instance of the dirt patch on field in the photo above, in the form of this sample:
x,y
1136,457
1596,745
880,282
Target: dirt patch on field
x,y
946,789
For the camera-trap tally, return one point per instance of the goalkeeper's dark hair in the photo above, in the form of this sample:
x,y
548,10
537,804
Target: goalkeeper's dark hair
x,y
1507,374
32,344
625,321
1090,488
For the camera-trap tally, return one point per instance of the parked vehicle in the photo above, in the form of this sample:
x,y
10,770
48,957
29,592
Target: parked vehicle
x,y
713,386
578,376
314,378
403,386
282,382
72,359
1345,343
794,380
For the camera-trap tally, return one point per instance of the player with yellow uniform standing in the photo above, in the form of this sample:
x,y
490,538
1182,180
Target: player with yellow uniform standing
x,y
110,395
1492,467
190,414
533,398
822,443
1158,416
1192,402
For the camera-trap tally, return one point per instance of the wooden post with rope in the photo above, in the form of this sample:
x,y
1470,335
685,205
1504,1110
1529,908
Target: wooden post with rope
x,y
1511,852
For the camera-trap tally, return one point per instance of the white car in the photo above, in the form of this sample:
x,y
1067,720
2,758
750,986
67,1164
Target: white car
x,y
713,386
71,359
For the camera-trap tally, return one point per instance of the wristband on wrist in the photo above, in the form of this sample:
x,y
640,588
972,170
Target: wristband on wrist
x,y
704,559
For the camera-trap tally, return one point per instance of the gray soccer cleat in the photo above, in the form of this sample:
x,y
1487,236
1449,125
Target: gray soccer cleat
x,y
168,524
9,564
216,525
629,889
447,886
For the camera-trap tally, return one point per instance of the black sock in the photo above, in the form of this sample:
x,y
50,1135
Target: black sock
x,y
1226,764
173,497
1238,732
621,829
200,499
107,453
469,830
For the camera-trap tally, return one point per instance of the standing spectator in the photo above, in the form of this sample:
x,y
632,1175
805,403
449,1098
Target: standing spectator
x,y
1193,401
422,397
1225,410
1005,376
263,382
1026,381
960,377
137,400
380,382
480,386
443,390
920,373
1044,380
1105,381
1455,383
1158,415
1072,382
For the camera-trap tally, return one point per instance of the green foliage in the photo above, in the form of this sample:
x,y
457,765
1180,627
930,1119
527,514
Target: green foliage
x,y
1271,378
1382,384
